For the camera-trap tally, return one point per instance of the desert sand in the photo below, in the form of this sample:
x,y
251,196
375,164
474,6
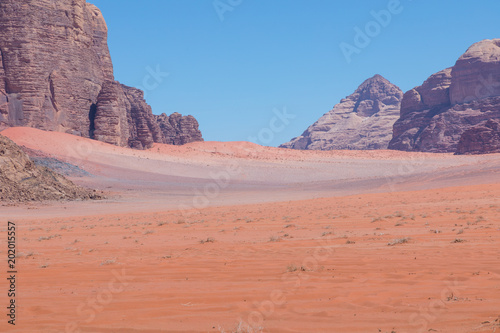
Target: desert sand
x,y
235,237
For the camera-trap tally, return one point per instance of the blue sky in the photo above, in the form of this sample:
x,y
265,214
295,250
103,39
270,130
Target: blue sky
x,y
233,74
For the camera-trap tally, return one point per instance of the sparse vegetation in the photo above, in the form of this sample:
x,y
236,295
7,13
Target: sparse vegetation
x,y
108,262
274,239
399,241
208,240
48,237
458,240
293,268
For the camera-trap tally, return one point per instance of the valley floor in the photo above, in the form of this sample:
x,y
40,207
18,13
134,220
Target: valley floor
x,y
235,237
394,262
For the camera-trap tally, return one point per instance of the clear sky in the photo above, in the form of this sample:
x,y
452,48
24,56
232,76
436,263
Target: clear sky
x,y
233,67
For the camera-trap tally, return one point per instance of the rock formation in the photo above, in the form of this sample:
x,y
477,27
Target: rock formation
x,y
435,115
362,120
22,180
178,130
481,139
56,74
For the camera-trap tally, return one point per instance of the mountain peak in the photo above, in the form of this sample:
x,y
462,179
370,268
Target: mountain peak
x,y
377,79
376,88
362,120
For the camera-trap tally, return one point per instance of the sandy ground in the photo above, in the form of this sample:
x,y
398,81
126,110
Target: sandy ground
x,y
201,175
234,237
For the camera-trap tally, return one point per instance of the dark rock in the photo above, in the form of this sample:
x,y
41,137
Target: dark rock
x,y
482,139
178,129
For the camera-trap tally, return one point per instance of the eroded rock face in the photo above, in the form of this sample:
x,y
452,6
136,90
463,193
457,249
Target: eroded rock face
x,y
143,128
362,120
476,73
22,180
56,74
435,115
481,139
178,129
55,60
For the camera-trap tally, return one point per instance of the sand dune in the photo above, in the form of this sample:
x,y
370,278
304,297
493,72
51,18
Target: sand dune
x,y
213,174
212,237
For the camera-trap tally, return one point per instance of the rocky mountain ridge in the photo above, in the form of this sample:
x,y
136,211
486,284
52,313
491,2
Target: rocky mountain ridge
x,y
453,111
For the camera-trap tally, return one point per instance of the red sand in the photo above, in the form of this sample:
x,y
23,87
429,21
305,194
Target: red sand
x,y
134,263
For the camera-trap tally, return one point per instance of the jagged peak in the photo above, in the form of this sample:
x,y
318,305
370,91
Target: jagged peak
x,y
376,87
377,78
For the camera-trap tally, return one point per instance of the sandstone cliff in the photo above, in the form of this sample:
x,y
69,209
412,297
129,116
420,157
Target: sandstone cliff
x,y
56,74
481,139
435,115
362,120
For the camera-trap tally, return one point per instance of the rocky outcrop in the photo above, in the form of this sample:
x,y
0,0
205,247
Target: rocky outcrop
x,y
22,180
56,74
362,120
435,115
179,130
143,128
482,139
